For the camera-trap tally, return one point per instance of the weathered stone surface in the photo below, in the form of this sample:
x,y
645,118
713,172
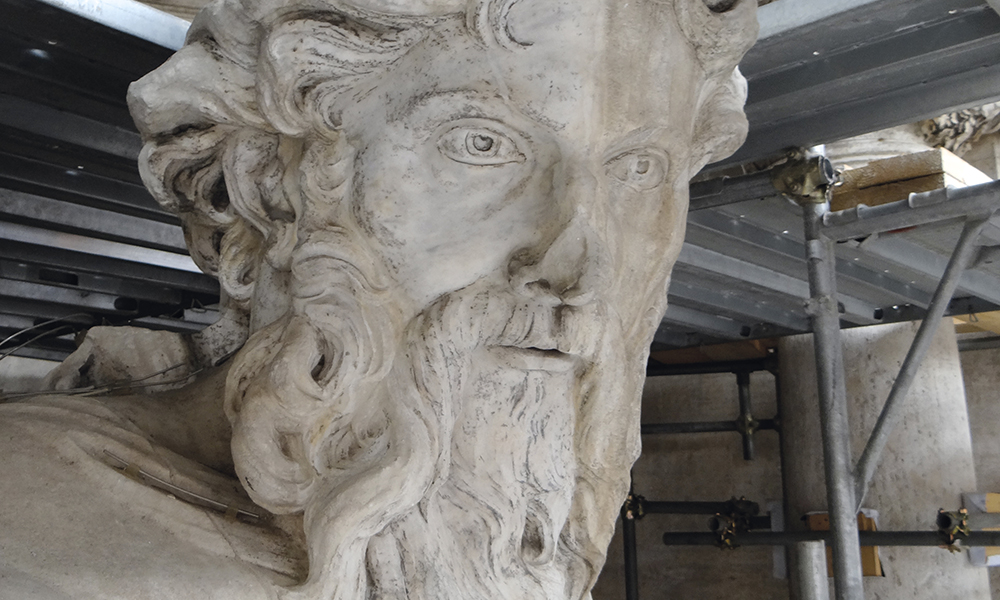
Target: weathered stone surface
x,y
447,228
927,462
981,373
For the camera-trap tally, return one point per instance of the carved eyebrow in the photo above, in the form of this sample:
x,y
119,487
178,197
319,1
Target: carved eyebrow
x,y
654,136
479,105
418,103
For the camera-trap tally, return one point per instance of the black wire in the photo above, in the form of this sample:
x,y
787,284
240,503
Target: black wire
x,y
34,339
42,324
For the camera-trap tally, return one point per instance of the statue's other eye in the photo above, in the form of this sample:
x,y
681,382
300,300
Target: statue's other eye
x,y
642,169
479,146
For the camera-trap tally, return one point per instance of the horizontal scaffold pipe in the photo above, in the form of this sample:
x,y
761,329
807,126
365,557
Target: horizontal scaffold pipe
x,y
655,369
919,209
703,427
868,538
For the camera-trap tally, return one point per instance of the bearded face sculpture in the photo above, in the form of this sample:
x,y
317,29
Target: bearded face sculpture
x,y
450,225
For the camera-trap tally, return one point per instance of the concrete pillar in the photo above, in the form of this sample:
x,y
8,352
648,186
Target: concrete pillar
x,y
19,374
926,465
693,467
981,370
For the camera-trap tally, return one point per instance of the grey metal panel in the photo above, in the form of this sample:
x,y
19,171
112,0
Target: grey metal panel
x,y
130,17
84,187
164,324
735,305
29,312
777,262
829,70
93,283
71,62
85,300
792,31
69,128
712,324
41,354
43,237
92,222
730,190
774,229
197,283
911,256
856,310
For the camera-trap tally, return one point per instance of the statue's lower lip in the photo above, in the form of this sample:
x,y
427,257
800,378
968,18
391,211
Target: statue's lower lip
x,y
534,359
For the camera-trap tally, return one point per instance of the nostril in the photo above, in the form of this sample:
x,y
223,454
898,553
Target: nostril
x,y
539,285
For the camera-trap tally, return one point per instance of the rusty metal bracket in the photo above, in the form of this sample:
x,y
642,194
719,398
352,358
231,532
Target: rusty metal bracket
x,y
806,178
633,509
737,517
953,527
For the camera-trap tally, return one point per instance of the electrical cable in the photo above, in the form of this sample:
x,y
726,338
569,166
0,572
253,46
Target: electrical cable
x,y
42,324
34,339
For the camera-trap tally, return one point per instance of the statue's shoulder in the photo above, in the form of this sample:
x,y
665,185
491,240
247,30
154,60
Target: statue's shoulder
x,y
94,506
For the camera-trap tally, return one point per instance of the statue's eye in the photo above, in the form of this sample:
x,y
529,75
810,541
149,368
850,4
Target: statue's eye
x,y
479,146
642,169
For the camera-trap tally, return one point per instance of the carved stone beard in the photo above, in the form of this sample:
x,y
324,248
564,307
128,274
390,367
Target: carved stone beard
x,y
495,524
435,471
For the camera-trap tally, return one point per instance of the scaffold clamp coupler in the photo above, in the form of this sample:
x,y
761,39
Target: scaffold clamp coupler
x,y
953,527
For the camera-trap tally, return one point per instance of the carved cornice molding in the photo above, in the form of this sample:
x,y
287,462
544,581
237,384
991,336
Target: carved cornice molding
x,y
958,131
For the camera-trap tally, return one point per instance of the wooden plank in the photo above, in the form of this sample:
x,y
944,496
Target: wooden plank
x,y
892,179
742,350
989,321
885,193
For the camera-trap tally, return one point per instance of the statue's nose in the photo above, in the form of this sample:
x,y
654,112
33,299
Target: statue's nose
x,y
576,266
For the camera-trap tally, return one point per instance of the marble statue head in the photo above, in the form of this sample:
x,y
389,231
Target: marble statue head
x,y
450,226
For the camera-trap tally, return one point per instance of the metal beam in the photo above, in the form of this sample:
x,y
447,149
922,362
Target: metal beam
x,y
868,538
133,18
138,290
700,321
911,256
75,262
85,300
89,221
736,305
820,73
67,127
855,309
722,191
43,237
779,247
89,188
779,239
918,209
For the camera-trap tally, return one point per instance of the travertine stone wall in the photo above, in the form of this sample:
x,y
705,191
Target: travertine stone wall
x,y
927,463
981,371
18,375
695,467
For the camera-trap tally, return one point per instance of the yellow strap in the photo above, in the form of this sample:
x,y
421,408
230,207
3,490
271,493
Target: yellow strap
x,y
231,512
132,472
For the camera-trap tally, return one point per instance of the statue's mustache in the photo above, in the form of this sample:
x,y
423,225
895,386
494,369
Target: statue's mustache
x,y
488,317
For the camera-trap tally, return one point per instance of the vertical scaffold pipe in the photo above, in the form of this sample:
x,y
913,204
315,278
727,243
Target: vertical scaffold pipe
x,y
811,570
825,318
631,557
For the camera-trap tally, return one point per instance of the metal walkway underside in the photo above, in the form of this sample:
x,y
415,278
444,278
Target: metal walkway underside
x,y
82,241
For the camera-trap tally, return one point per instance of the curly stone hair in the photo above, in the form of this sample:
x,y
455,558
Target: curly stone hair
x,y
215,116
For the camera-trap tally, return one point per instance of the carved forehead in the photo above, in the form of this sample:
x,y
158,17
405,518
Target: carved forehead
x,y
569,68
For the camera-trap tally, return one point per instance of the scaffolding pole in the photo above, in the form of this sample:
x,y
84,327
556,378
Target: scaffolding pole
x,y
892,410
825,318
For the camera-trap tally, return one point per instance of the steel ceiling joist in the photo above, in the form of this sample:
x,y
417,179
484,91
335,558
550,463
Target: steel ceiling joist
x,y
823,71
89,221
